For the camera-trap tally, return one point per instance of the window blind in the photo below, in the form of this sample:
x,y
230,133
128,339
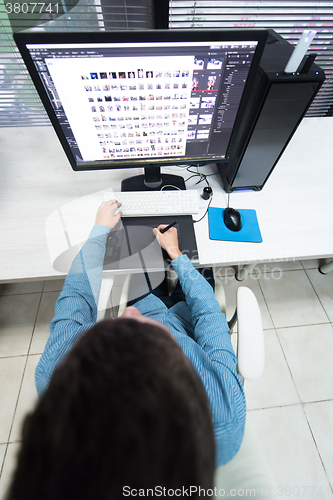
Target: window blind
x,y
288,18
20,104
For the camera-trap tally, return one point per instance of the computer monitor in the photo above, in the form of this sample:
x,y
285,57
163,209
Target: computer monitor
x,y
143,98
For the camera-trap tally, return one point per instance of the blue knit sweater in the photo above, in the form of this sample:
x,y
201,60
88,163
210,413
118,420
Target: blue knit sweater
x,y
199,327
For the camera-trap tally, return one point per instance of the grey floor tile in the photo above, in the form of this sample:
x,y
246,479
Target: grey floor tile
x,y
53,285
11,373
291,299
320,418
3,448
27,398
314,263
42,326
323,285
275,267
8,468
21,287
17,319
291,452
308,350
275,387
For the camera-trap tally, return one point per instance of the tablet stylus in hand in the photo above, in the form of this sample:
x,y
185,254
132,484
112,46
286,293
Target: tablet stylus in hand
x,y
162,231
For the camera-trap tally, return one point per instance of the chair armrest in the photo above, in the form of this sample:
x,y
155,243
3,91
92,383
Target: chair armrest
x,y
104,296
124,295
220,294
250,342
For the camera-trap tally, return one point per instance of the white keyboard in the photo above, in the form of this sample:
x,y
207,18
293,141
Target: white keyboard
x,y
138,203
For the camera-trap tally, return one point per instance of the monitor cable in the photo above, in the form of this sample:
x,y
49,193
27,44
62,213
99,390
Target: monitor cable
x,y
207,192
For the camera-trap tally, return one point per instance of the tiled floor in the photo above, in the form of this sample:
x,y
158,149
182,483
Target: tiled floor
x,y
291,406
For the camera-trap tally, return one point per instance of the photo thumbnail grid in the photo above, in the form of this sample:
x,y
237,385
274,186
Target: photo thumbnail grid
x,y
141,111
205,80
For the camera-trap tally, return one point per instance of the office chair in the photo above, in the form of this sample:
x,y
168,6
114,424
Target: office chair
x,y
248,470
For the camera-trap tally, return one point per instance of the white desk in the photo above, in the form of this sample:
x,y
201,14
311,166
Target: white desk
x,y
294,210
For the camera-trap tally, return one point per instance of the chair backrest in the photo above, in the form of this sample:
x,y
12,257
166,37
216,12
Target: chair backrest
x,y
247,474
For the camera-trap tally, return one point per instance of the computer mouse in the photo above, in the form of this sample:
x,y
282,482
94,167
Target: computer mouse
x,y
232,219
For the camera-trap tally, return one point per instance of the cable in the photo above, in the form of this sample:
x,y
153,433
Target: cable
x,y
205,212
203,177
170,185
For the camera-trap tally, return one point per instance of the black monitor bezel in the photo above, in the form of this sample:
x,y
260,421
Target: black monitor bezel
x,y
24,38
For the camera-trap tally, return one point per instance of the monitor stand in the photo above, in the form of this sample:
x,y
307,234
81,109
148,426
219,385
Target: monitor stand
x,y
153,180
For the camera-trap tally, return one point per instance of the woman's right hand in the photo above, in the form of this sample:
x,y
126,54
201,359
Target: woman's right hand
x,y
168,240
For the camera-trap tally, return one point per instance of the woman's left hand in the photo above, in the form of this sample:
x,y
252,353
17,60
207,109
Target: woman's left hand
x,y
105,213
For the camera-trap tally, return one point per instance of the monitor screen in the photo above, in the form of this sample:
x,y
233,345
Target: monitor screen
x,y
160,97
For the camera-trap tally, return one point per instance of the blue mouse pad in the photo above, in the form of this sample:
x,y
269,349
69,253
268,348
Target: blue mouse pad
x,y
250,231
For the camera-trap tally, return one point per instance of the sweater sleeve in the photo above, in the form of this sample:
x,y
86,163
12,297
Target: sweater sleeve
x,y
76,307
214,359
208,321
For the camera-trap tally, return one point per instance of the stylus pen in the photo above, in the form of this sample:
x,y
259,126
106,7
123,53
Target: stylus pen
x,y
168,227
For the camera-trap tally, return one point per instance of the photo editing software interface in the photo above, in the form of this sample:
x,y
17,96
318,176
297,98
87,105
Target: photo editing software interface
x,y
139,101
